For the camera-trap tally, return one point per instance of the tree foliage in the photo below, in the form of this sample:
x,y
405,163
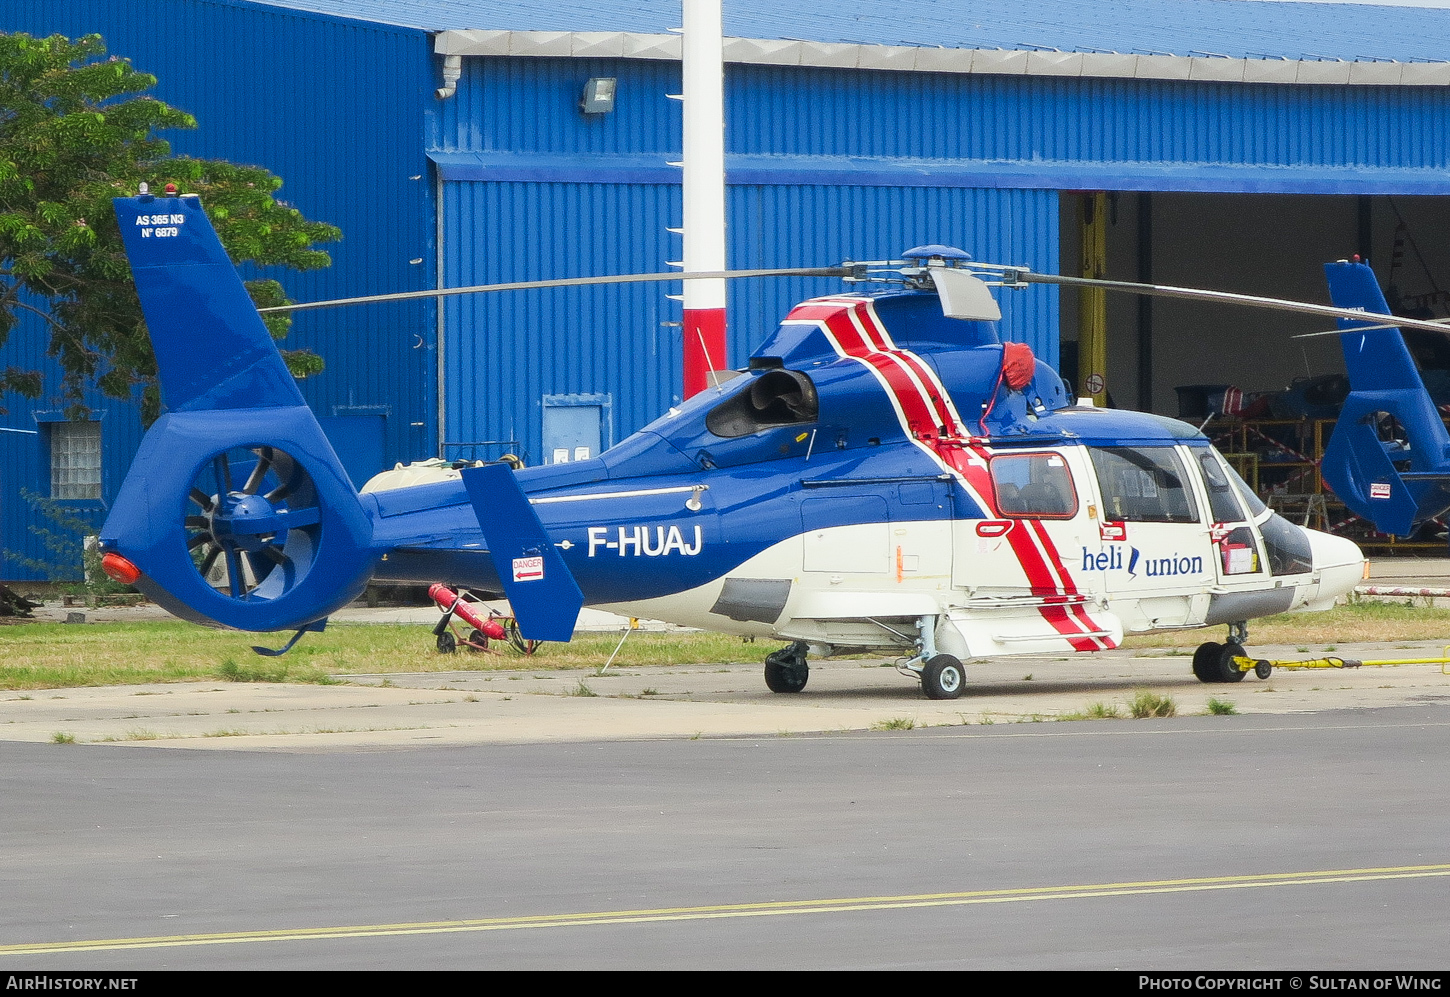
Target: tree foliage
x,y
76,130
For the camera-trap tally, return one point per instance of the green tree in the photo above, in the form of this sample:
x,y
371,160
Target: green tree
x,y
75,131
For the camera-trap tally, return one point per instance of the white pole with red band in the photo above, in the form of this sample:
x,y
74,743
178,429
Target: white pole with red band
x,y
704,192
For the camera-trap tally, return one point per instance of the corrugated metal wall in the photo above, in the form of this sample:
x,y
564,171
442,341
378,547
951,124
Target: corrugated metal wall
x,y
826,165
335,108
521,117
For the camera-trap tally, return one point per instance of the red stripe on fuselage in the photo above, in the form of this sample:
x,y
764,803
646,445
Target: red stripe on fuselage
x,y
931,421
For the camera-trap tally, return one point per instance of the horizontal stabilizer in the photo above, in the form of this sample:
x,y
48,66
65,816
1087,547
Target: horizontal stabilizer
x,y
540,588
212,350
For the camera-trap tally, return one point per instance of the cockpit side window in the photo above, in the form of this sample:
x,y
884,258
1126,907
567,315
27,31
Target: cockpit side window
x,y
1033,486
1221,501
775,398
1143,485
1255,504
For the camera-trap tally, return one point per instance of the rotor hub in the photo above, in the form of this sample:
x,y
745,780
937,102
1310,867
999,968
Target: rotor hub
x,y
246,522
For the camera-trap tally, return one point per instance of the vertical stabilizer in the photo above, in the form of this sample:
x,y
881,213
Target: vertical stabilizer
x,y
212,350
236,510
1376,359
1388,457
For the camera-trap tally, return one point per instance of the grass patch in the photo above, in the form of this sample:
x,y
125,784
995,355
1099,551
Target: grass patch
x,y
1220,707
895,723
62,737
272,670
1095,711
582,689
44,655
1147,704
56,656
136,734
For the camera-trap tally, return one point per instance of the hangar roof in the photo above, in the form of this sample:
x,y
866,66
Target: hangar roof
x,y
1239,29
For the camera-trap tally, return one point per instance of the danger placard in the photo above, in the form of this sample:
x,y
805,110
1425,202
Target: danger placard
x,y
1379,489
528,569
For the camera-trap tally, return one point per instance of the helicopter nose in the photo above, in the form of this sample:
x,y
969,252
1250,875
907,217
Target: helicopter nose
x,y
1338,568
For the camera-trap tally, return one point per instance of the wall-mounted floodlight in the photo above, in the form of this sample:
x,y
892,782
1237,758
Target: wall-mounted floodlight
x,y
598,95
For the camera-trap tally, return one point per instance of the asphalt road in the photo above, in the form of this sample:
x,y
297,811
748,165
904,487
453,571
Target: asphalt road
x,y
1316,841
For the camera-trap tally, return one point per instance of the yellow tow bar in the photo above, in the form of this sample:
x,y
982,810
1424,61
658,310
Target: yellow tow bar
x,y
1263,667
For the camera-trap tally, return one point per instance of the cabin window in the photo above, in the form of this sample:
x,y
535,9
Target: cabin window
x,y
1239,553
1143,485
775,398
1033,486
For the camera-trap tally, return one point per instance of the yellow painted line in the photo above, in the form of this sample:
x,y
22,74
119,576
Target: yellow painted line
x,y
767,909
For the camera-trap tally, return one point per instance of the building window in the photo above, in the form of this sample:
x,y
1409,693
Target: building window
x,y
75,460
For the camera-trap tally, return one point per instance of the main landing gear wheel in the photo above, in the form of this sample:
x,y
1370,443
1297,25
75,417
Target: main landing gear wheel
x,y
943,677
1213,662
786,670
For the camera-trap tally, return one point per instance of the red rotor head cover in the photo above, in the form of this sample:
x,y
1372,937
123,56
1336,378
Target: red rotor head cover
x,y
1019,366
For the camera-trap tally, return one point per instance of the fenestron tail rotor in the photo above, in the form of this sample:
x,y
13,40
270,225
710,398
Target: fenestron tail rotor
x,y
257,539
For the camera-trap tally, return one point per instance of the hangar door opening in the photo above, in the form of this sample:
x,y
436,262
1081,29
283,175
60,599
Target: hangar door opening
x,y
1268,244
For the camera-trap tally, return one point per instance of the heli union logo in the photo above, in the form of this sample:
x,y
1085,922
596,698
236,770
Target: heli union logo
x,y
1153,567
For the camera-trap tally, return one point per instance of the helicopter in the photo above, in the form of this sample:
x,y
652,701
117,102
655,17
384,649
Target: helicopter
x,y
885,475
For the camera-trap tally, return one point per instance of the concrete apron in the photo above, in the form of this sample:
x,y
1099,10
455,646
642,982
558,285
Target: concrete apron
x,y
684,701
470,707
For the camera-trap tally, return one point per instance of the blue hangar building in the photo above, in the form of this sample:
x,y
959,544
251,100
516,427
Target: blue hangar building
x,y
1233,144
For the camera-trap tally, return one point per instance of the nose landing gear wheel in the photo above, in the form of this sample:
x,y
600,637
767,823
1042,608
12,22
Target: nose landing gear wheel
x,y
943,677
786,670
1213,662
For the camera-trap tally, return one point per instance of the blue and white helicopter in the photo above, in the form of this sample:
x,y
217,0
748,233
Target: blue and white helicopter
x,y
886,475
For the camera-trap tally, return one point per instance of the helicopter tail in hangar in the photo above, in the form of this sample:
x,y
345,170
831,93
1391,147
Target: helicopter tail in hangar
x,y
236,510
1389,457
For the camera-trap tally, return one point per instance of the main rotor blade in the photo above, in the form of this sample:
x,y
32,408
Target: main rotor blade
x,y
1443,323
1230,298
524,285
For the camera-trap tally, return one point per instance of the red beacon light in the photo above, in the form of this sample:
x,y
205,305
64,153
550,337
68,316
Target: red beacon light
x,y
119,569
170,190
